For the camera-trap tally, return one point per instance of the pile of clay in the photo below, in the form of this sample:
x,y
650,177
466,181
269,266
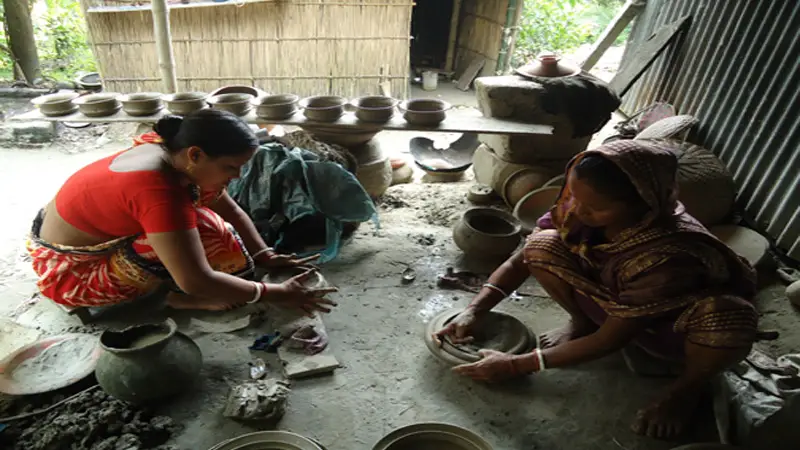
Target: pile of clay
x,y
90,421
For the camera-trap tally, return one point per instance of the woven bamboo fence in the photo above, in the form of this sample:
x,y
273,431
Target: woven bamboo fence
x,y
481,33
306,47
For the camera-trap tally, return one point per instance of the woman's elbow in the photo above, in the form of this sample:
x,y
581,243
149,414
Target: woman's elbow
x,y
194,285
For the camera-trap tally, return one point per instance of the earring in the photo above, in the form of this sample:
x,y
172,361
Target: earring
x,y
190,168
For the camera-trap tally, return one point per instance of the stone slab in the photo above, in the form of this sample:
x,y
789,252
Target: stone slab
x,y
35,132
301,365
510,97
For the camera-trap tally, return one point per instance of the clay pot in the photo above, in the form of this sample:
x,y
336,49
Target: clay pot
x,y
480,194
375,177
793,293
326,108
238,104
147,362
345,138
534,205
487,232
558,180
99,105
440,436
548,65
268,440
184,103
54,105
424,111
276,107
142,103
521,183
278,276
238,89
376,109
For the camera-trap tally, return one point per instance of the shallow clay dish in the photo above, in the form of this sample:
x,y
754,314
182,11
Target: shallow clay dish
x,y
184,103
432,436
280,275
99,105
142,103
534,205
49,364
268,440
325,108
54,105
376,108
424,111
238,103
514,337
276,107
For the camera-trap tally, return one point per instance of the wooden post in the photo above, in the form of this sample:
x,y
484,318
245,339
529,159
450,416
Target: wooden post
x,y
630,10
163,37
22,44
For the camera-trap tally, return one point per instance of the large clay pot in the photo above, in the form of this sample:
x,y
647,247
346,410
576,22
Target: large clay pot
x,y
488,232
793,293
147,362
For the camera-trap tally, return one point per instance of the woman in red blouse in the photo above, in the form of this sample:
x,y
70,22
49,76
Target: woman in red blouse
x,y
158,212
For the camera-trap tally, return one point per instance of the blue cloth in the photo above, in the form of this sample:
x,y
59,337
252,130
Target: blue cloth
x,y
279,186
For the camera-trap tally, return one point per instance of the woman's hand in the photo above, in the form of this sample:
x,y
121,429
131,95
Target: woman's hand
x,y
458,330
493,366
293,294
272,260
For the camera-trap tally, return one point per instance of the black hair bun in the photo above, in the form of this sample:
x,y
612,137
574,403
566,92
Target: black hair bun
x,y
168,126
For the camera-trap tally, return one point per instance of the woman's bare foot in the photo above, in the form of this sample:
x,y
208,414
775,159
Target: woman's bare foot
x,y
667,417
572,330
177,300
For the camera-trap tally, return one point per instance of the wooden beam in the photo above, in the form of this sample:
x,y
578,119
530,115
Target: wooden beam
x,y
631,9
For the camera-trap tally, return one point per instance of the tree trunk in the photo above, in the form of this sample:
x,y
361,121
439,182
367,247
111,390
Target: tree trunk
x,y
20,38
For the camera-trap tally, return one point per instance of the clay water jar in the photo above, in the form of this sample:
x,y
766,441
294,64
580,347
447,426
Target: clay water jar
x,y
148,362
276,107
142,103
59,104
99,105
487,232
184,103
424,111
376,108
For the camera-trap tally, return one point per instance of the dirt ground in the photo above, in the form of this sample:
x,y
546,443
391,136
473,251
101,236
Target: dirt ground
x,y
388,378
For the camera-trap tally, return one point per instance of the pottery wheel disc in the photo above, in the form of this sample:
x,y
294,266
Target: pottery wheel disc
x,y
268,440
432,436
49,364
496,331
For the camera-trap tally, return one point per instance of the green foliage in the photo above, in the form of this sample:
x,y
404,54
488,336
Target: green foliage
x,y
561,26
61,39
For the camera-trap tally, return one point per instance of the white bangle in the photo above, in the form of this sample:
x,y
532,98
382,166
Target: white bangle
x,y
258,253
540,358
257,295
496,289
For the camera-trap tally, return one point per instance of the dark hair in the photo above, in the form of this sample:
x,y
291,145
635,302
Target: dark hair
x,y
217,133
607,178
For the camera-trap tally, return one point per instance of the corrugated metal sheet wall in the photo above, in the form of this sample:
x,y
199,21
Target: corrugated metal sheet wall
x,y
738,71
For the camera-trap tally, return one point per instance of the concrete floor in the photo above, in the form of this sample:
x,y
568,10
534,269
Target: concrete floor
x,y
388,378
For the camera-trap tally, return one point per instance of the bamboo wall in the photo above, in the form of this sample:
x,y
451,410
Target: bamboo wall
x,y
306,47
481,33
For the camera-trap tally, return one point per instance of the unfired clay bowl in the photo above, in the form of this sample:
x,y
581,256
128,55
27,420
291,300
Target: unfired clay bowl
x,y
184,103
487,232
496,331
534,205
142,103
280,275
326,108
424,111
55,105
376,108
238,104
268,440
276,107
432,436
99,105
522,182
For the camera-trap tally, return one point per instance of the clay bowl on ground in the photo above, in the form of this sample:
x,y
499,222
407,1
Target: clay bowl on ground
x,y
142,103
496,331
278,276
534,205
276,107
487,232
325,108
99,105
522,182
59,104
432,436
376,108
184,103
424,111
268,440
238,104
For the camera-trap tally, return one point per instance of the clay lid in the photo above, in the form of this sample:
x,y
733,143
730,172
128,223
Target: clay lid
x,y
548,65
